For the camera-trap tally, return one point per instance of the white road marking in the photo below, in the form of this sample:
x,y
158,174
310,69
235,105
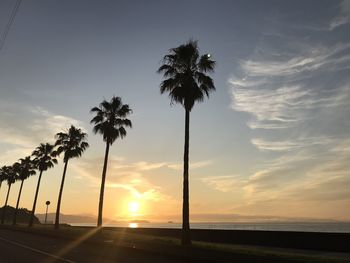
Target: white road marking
x,y
37,250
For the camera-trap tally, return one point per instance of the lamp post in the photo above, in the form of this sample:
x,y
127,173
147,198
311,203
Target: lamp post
x,y
47,208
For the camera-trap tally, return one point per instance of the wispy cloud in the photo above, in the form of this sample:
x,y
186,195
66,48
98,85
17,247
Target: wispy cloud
x,y
297,97
343,17
145,166
125,178
193,165
305,180
26,126
312,58
289,145
280,92
133,177
224,183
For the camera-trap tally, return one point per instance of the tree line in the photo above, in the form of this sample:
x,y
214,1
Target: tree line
x,y
185,81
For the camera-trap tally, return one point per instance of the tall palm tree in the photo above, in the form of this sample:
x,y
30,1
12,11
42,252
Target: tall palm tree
x,y
25,170
186,82
44,159
72,143
2,176
10,173
110,121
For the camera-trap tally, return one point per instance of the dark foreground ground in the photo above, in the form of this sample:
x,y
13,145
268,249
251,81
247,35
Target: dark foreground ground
x,y
71,244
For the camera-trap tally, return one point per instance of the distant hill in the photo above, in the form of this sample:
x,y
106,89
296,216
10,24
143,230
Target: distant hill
x,y
23,215
68,218
228,218
85,219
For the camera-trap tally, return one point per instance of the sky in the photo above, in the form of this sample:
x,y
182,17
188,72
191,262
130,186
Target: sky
x,y
273,140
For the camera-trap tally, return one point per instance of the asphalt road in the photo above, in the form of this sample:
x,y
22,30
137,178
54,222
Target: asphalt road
x,y
16,247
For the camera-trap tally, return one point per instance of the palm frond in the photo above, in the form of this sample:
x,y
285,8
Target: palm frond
x,y
110,117
43,156
72,143
97,119
184,75
205,64
95,109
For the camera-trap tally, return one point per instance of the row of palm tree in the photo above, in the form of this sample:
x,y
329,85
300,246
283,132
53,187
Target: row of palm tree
x,y
110,121
8,174
72,143
186,82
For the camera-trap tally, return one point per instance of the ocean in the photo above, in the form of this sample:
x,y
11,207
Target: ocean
x,y
333,227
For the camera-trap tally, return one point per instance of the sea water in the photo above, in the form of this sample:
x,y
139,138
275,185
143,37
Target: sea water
x,y
335,227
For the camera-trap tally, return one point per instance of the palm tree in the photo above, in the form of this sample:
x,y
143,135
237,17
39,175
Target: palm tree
x,y
44,159
25,170
73,144
10,173
2,176
110,121
186,83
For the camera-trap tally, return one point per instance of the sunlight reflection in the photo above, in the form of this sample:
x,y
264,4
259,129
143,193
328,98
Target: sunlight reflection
x,y
133,225
70,246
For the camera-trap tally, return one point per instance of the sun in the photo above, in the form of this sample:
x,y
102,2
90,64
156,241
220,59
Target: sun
x,y
133,207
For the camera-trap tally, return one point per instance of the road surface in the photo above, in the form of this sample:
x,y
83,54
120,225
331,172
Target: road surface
x,y
19,247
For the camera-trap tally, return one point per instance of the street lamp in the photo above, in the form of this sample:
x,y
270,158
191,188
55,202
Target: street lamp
x,y
47,208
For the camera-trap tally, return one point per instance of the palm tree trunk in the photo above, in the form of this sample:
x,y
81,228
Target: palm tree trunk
x,y
186,235
100,205
18,198
35,199
4,208
57,221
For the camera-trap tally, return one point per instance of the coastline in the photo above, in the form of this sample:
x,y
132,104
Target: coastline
x,y
323,227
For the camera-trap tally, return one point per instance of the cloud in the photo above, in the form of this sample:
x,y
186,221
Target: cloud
x,y
131,177
139,166
281,91
343,17
137,178
284,106
24,127
149,166
291,145
53,123
10,156
296,95
307,180
146,166
306,61
193,165
225,183
27,126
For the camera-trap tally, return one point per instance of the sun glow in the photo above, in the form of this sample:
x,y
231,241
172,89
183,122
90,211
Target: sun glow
x,y
133,207
133,225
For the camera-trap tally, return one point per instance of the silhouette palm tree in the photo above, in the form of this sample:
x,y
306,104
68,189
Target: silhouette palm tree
x,y
72,143
10,174
44,159
2,176
186,83
110,121
25,170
